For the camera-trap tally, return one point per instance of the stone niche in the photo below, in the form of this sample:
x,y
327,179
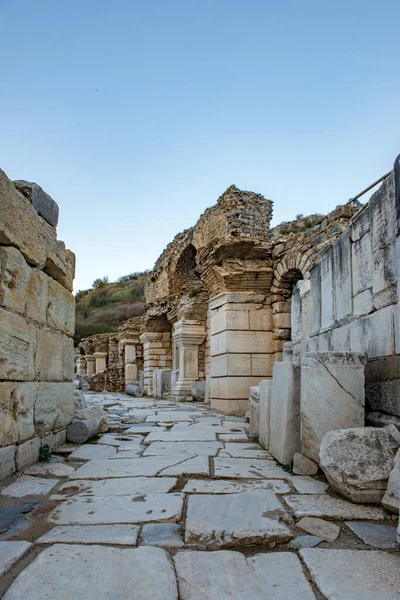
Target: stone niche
x,y
37,321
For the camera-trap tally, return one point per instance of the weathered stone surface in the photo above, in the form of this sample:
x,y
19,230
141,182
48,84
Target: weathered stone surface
x,y
134,390
164,535
315,505
7,461
121,509
93,452
354,574
196,465
27,453
80,400
9,396
214,521
319,527
284,440
12,516
10,553
119,487
242,450
247,468
148,466
302,465
93,571
44,204
358,462
80,431
163,449
380,536
305,541
29,486
15,274
50,469
265,411
96,414
118,535
202,486
326,376
17,347
308,485
227,575
54,406
391,499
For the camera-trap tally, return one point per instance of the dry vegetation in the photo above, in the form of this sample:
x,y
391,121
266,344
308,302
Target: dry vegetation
x,y
102,308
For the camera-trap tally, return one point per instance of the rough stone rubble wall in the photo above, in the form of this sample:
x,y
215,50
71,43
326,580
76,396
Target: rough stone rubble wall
x,y
350,302
37,320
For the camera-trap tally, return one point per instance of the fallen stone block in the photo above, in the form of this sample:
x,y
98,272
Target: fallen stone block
x,y
79,432
96,414
302,465
10,552
134,390
319,527
391,499
357,462
332,396
80,400
254,406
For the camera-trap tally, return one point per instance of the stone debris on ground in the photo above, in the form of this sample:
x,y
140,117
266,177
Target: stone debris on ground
x,y
188,506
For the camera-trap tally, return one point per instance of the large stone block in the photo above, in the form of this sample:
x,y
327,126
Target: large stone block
x,y
37,296
54,407
223,320
358,461
226,364
362,264
383,211
342,282
48,356
44,204
27,395
265,410
391,499
8,413
34,237
15,274
60,308
7,461
17,347
27,453
284,439
373,334
233,387
327,289
246,341
332,396
315,298
262,365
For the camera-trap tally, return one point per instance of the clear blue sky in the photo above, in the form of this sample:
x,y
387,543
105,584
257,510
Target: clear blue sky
x,y
136,116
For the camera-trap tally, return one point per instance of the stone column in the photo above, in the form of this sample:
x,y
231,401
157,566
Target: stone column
x,y
156,354
101,361
131,370
188,335
90,365
241,350
81,365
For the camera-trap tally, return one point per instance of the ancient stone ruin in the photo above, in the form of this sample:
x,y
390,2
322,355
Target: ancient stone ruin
x,y
37,320
255,406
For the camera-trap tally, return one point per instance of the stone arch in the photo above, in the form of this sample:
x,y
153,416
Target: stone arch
x,y
185,275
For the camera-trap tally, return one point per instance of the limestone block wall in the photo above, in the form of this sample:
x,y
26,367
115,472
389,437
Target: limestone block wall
x,y
157,354
350,303
37,320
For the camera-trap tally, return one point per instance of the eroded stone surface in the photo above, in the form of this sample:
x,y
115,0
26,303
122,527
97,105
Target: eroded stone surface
x,y
373,534
354,574
29,486
52,469
221,486
225,520
120,535
247,468
128,486
164,535
92,572
319,527
119,509
192,448
93,452
10,553
326,506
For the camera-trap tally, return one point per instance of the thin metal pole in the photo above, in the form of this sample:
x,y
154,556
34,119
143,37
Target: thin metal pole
x,y
370,186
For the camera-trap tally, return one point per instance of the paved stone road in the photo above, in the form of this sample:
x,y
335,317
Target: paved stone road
x,y
178,502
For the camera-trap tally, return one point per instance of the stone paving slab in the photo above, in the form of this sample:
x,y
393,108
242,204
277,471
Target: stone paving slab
x,y
129,486
354,574
234,437
10,553
247,468
308,485
243,450
148,466
29,486
192,448
119,535
180,436
334,508
223,486
374,534
50,469
173,416
164,535
93,452
63,571
117,440
215,521
143,429
81,510
196,465
227,575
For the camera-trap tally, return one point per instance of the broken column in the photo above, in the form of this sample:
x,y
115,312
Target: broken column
x,y
187,337
81,365
332,396
265,387
254,406
284,426
101,361
90,365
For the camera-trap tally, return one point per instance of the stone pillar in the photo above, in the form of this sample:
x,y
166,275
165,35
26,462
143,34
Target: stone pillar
x,y
332,396
188,335
265,410
131,370
241,349
156,354
284,428
81,365
90,365
101,361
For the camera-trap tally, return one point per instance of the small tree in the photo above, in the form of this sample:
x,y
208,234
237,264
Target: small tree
x,y
100,282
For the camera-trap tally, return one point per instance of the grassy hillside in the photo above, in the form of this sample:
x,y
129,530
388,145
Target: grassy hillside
x,y
102,308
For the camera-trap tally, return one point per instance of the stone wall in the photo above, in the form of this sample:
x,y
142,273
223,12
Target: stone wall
x,y
350,302
37,320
